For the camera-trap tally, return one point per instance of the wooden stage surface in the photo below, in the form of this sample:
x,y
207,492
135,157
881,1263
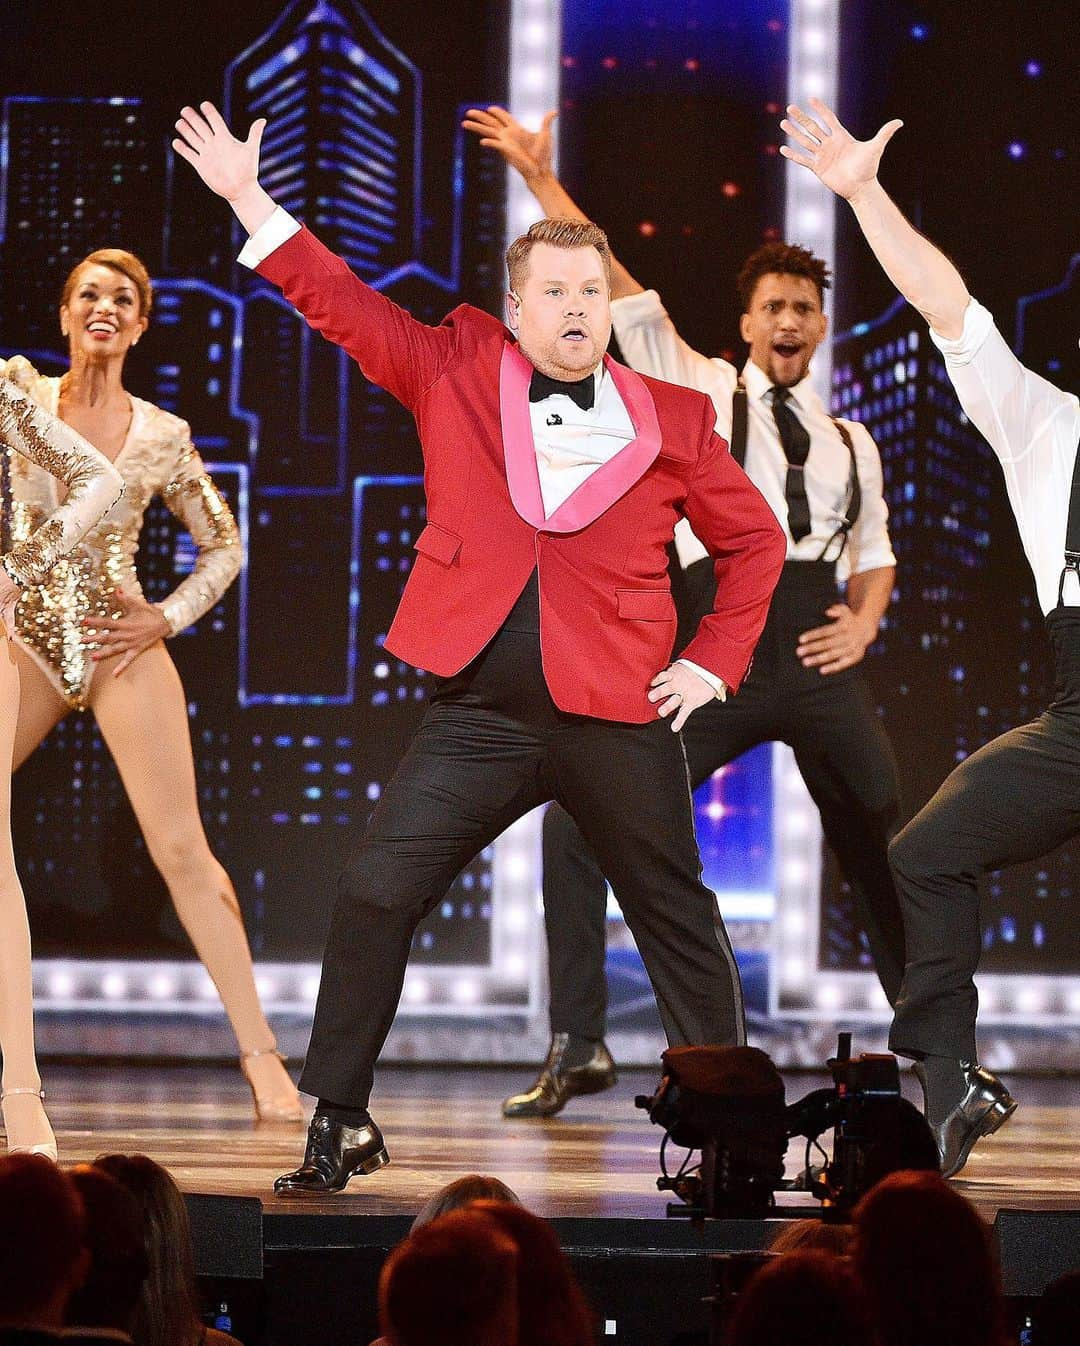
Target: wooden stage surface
x,y
599,1159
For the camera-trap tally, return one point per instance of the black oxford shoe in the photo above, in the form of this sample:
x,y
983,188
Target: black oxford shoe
x,y
334,1154
557,1084
985,1106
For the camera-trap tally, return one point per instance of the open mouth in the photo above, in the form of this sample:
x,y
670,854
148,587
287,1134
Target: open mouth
x,y
574,334
101,329
787,349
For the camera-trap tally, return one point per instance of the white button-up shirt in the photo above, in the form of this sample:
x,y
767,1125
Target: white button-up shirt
x,y
572,442
652,345
1033,428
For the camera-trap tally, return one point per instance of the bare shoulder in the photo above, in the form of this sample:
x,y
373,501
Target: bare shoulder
x,y
215,1338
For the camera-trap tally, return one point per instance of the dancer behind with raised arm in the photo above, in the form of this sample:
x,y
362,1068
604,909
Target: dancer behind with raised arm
x,y
1019,796
540,599
823,480
92,485
87,639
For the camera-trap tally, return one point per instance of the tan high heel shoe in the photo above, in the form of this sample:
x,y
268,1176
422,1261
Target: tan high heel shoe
x,y
46,1148
275,1096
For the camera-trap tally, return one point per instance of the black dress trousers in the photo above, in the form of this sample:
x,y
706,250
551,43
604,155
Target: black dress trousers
x,y
492,746
846,761
1015,799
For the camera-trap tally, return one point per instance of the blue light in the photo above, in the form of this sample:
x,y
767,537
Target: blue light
x,y
920,32
1017,150
1033,69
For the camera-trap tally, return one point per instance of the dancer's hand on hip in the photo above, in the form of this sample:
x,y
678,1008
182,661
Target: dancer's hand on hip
x,y
140,625
831,152
530,152
680,691
10,593
842,644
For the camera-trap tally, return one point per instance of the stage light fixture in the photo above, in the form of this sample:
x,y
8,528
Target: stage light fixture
x,y
728,1103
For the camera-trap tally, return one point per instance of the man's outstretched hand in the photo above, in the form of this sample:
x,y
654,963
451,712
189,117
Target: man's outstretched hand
x,y
829,151
530,152
228,166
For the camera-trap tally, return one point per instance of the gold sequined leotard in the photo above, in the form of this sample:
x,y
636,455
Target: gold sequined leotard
x,y
36,441
157,457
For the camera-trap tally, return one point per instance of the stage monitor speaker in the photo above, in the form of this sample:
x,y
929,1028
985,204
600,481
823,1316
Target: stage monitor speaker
x,y
226,1232
1035,1247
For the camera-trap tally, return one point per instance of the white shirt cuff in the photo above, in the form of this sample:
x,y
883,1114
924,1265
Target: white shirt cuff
x,y
961,350
718,685
278,229
688,548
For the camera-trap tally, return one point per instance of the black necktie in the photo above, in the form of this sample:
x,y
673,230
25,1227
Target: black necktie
x,y
796,443
581,391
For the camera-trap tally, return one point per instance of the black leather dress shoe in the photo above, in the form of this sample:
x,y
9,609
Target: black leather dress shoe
x,y
334,1154
557,1084
985,1106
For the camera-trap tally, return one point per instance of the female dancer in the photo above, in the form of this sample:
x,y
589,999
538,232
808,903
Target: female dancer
x,y
93,484
90,639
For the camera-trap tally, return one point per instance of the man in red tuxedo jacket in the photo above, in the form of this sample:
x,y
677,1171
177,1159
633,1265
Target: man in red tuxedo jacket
x,y
540,598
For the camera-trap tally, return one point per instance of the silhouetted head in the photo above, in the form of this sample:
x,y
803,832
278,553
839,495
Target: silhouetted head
x,y
922,1254
451,1283
42,1255
113,1238
460,1192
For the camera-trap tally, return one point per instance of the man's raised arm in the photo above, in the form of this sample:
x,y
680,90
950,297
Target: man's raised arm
x,y
920,271
648,338
393,349
530,152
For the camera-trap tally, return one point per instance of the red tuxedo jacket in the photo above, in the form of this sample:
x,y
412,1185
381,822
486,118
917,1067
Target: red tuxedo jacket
x,y
607,620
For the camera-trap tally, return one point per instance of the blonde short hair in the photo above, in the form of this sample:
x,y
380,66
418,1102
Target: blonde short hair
x,y
558,233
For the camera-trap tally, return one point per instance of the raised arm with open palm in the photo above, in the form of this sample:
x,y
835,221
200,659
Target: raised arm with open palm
x,y
228,166
849,167
530,154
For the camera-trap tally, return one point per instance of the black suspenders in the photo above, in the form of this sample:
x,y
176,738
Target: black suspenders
x,y
854,500
1072,531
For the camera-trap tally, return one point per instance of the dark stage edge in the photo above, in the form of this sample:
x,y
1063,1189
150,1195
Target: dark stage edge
x,y
299,1271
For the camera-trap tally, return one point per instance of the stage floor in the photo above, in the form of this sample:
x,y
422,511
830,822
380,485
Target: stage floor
x,y
598,1160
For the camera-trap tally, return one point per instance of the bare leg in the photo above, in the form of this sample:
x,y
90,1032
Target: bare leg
x,y
25,1121
41,707
143,718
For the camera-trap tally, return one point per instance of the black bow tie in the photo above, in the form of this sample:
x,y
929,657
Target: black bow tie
x,y
582,391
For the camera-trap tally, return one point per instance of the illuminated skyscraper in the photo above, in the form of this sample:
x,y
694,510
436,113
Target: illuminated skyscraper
x,y
342,148
75,174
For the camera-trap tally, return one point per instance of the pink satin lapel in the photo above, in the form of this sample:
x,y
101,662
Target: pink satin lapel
x,y
610,481
519,452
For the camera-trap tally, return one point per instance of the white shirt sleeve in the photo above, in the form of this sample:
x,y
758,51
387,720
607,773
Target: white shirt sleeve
x,y
1010,405
718,685
652,345
278,229
869,547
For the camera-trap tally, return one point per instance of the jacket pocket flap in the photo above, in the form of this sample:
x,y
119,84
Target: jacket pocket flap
x,y
646,605
438,543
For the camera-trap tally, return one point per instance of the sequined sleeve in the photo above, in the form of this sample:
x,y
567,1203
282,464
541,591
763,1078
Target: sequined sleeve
x,y
192,496
93,484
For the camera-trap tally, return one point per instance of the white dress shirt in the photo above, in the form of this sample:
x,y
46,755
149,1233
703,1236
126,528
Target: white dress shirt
x,y
571,442
652,345
568,450
1033,428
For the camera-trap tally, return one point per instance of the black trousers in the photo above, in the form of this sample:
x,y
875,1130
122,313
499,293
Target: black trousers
x,y
492,746
1015,799
845,759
